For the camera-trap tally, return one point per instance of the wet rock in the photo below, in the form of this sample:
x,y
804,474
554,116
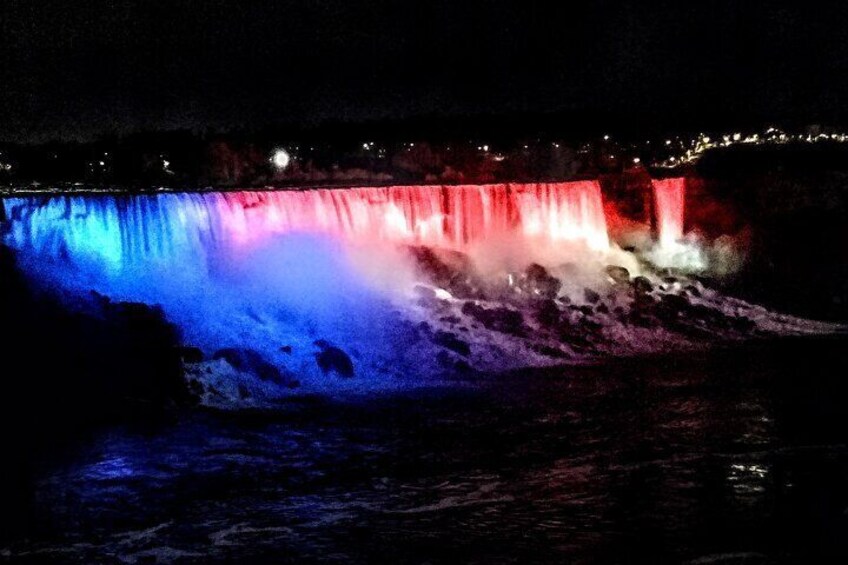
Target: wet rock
x,y
451,341
591,296
642,285
672,307
424,292
332,359
536,281
251,361
450,270
693,290
546,312
549,351
618,274
501,320
742,324
426,296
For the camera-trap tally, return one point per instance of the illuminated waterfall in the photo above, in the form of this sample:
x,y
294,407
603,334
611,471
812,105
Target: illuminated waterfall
x,y
669,200
121,229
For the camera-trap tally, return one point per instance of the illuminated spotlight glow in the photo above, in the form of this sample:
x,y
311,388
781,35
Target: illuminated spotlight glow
x,y
281,158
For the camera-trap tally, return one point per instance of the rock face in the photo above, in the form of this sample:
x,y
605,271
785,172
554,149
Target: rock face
x,y
105,360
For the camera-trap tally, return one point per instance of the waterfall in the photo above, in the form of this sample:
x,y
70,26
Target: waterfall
x,y
123,230
669,200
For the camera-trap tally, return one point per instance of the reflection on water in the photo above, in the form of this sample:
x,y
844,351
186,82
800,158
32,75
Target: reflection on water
x,y
735,457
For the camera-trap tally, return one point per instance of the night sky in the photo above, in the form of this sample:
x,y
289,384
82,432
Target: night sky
x,y
81,69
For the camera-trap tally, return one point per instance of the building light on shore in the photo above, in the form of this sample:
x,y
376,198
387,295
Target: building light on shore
x,y
281,159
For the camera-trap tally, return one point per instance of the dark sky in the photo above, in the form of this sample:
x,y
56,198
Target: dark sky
x,y
81,68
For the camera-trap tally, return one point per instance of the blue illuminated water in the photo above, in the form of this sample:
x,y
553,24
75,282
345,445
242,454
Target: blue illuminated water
x,y
222,285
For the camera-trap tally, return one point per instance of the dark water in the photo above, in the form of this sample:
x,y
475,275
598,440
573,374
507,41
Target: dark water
x,y
738,456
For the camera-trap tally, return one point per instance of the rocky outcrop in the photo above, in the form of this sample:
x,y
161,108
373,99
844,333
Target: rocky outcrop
x,y
83,355
331,359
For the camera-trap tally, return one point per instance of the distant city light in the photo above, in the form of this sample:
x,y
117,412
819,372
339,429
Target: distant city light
x,y
636,160
281,159
606,138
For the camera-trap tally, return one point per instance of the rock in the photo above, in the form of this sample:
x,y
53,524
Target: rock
x,y
190,354
451,341
90,356
618,274
426,296
672,306
546,312
693,290
449,362
591,296
536,281
251,361
549,351
642,285
450,270
424,292
742,324
332,359
501,320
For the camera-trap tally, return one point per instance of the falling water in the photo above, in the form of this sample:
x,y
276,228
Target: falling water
x,y
122,230
669,197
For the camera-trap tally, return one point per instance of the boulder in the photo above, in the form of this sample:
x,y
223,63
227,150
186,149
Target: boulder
x,y
499,319
619,275
642,285
331,359
546,312
536,281
251,361
449,270
450,341
591,296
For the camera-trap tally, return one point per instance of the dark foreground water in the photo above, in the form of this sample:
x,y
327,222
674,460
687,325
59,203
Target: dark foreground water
x,y
737,456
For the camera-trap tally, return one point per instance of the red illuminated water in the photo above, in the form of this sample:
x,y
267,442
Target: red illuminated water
x,y
669,197
451,216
